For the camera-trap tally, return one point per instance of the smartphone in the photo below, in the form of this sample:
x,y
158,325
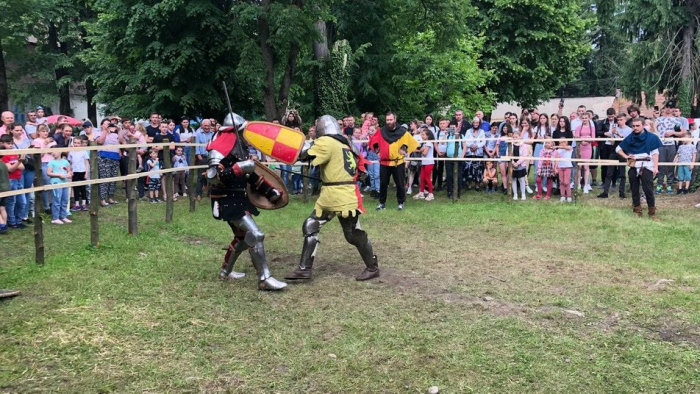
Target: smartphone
x,y
656,108
561,102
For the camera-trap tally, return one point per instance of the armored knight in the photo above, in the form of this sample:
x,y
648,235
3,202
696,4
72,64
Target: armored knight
x,y
340,166
229,175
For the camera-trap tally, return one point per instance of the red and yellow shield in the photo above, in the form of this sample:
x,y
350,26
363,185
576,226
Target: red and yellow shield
x,y
276,141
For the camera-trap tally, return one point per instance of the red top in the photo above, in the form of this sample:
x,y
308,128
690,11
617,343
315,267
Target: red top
x,y
12,159
223,143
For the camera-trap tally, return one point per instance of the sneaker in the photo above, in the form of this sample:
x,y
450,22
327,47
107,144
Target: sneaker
x,y
669,190
75,208
585,191
544,188
524,197
697,205
515,197
57,221
546,198
66,220
47,211
622,195
152,200
430,197
409,191
158,200
366,189
538,196
685,191
419,196
184,194
18,226
380,207
679,191
84,208
569,199
562,199
527,189
176,195
400,207
594,183
603,195
658,189
4,230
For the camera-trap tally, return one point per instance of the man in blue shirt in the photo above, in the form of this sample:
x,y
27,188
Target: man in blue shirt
x,y
485,125
202,136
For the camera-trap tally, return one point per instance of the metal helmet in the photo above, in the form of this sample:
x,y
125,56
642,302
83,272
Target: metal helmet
x,y
327,125
234,121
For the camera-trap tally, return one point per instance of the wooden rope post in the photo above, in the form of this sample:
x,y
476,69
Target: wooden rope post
x,y
38,206
510,169
94,199
192,180
168,183
305,183
132,194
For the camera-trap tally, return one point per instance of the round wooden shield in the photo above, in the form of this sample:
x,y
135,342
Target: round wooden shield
x,y
275,181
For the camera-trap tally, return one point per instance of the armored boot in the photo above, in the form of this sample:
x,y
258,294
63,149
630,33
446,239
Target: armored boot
x,y
311,227
357,237
235,249
652,214
265,279
637,211
371,272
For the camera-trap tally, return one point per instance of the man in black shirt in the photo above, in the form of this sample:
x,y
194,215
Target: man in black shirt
x,y
153,127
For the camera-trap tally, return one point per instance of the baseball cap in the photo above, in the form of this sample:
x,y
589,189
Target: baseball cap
x,y
87,124
38,108
111,125
671,104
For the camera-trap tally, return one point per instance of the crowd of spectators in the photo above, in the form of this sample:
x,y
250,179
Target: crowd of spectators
x,y
427,174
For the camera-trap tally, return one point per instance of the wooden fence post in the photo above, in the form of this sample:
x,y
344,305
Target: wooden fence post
x,y
38,206
192,180
94,198
131,193
304,182
168,183
510,168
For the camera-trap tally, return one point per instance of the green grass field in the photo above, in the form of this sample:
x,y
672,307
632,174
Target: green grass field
x,y
479,296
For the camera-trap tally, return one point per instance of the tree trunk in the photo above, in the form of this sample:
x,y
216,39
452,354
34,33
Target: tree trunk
x,y
321,52
60,73
90,97
4,90
268,58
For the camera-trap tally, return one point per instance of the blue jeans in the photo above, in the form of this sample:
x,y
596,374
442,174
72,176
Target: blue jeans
x,y
297,182
285,174
538,149
373,171
47,181
28,182
59,205
15,204
315,175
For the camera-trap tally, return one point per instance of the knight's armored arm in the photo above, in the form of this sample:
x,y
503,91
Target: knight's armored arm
x,y
260,185
304,155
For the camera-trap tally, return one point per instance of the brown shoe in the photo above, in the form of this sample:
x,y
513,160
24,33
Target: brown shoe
x,y
652,214
638,211
299,273
367,274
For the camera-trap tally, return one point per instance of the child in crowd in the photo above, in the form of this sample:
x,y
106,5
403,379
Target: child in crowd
x,y
413,166
502,147
59,171
360,147
565,168
520,165
80,166
153,165
179,160
427,151
373,166
686,154
10,167
547,169
490,178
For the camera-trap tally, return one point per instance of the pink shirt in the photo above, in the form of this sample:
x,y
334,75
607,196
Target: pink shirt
x,y
41,144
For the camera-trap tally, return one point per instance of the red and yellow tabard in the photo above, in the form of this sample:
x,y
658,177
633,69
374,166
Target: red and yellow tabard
x,y
339,168
389,150
276,141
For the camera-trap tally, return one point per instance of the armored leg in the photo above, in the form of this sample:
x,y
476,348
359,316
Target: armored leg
x,y
235,249
357,237
253,239
311,227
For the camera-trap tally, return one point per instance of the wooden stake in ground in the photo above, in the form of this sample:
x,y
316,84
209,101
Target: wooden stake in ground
x,y
305,183
192,180
510,168
94,199
168,183
38,206
456,184
132,194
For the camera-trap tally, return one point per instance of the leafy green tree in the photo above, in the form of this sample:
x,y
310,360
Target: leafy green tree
x,y
532,46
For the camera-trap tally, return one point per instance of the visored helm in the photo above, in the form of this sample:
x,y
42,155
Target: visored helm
x,y
327,125
233,121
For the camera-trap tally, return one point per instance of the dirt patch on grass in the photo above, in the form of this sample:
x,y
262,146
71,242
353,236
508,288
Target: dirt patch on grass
x,y
196,241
